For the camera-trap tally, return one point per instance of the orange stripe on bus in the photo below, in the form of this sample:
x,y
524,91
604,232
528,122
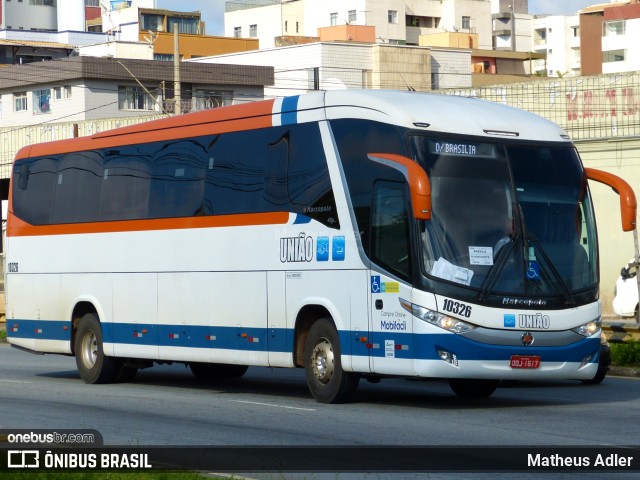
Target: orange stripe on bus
x,y
19,228
234,118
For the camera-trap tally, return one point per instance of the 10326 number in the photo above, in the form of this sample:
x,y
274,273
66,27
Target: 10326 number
x,y
457,308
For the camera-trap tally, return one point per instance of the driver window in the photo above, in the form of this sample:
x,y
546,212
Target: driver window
x,y
390,228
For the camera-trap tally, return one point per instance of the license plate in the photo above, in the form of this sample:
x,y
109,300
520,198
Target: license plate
x,y
524,361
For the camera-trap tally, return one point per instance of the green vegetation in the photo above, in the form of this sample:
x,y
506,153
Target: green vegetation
x,y
625,354
3,334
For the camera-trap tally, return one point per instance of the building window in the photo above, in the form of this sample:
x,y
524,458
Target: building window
x,y
237,32
205,99
91,3
57,93
613,29
67,91
253,31
152,22
286,26
333,19
20,101
134,98
187,25
392,16
614,56
466,23
41,101
163,57
297,27
46,3
352,16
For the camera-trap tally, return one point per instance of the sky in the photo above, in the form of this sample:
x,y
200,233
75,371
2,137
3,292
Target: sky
x,y
213,10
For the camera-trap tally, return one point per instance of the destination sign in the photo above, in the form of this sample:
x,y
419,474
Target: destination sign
x,y
461,149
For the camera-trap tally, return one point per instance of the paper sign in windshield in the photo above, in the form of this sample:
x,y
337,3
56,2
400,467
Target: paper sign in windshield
x,y
451,272
481,255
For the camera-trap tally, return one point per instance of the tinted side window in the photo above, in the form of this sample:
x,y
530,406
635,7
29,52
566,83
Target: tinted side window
x,y
34,189
275,169
125,184
177,184
355,139
267,170
78,186
236,176
309,184
390,245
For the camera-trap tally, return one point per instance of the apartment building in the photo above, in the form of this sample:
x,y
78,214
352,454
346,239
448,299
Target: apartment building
x,y
558,38
47,15
511,25
397,22
610,38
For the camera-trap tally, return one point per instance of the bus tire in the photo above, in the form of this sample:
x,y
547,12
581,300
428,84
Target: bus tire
x,y
214,371
473,388
93,365
327,381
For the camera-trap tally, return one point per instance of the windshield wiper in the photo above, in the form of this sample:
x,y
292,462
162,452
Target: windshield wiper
x,y
556,274
498,266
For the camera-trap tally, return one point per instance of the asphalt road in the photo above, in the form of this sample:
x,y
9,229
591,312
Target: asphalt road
x,y
165,405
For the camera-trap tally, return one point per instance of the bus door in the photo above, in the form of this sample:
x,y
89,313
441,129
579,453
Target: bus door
x,y
391,326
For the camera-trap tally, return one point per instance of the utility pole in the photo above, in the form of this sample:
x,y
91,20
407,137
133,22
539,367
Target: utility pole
x,y
176,71
513,27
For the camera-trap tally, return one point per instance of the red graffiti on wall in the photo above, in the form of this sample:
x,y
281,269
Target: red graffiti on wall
x,y
592,103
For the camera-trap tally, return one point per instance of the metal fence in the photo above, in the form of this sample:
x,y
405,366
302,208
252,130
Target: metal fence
x,y
594,107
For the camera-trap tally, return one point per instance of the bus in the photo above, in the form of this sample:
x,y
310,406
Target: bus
x,y
354,234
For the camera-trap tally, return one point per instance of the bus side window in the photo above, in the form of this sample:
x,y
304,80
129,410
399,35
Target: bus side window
x,y
125,185
235,175
308,182
390,246
33,199
79,177
177,180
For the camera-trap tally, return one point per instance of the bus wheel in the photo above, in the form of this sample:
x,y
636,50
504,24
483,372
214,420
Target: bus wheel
x,y
327,381
93,365
213,371
472,388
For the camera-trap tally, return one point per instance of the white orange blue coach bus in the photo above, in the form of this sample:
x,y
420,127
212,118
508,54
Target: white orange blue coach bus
x,y
355,234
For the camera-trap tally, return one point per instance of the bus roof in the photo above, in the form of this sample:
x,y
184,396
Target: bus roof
x,y
430,112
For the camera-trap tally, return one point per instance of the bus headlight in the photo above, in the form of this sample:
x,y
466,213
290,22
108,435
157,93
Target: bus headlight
x,y
588,329
439,320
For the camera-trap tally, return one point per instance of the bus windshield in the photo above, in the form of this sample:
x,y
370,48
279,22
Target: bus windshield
x,y
507,219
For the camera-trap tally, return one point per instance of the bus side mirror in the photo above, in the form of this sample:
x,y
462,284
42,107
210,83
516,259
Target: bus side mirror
x,y
417,178
628,204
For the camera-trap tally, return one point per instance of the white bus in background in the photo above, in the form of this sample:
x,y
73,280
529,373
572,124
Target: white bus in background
x,y
355,234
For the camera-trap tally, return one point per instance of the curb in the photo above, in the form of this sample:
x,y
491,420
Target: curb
x,y
621,332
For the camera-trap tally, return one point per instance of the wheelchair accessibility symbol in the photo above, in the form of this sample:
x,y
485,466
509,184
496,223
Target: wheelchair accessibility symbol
x,y
375,284
533,272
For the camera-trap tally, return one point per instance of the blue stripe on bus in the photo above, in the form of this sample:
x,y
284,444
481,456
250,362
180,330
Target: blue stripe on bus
x,y
199,336
405,345
39,329
289,111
